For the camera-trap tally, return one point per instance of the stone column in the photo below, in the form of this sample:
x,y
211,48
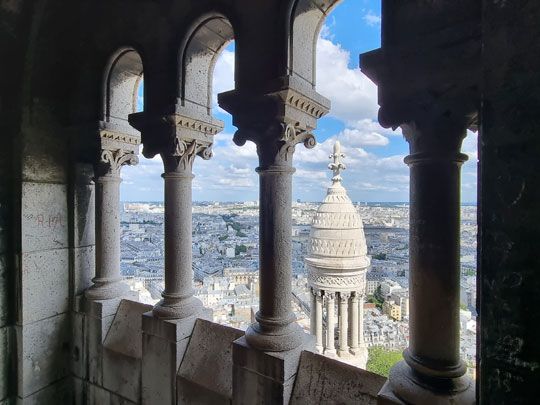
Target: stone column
x,y
361,342
330,324
313,317
178,301
275,124
319,321
108,281
432,360
179,136
354,322
276,329
343,323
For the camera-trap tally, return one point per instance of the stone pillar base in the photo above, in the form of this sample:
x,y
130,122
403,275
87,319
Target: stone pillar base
x,y
404,386
265,377
164,345
98,318
107,290
330,353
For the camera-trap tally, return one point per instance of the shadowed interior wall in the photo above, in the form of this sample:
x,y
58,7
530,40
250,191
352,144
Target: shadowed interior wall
x,y
509,192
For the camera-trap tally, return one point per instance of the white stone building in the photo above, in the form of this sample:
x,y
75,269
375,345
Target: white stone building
x,y
337,262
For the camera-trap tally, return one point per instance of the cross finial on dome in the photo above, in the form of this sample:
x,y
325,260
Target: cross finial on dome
x,y
337,166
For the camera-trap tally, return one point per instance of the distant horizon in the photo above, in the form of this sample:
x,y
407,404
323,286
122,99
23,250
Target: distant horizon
x,y
301,201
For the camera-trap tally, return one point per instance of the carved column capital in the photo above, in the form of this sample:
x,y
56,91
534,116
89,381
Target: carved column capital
x,y
116,150
181,156
331,295
344,297
178,136
275,121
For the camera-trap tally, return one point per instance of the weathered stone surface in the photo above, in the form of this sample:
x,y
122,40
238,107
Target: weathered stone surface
x,y
83,268
44,216
509,206
279,366
7,379
84,215
164,346
44,154
44,284
266,375
60,392
99,316
43,353
123,350
323,380
78,344
124,335
160,362
122,374
90,394
102,309
5,291
248,385
210,344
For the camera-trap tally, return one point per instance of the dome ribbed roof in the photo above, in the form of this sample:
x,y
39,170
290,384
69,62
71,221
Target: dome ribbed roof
x,y
337,243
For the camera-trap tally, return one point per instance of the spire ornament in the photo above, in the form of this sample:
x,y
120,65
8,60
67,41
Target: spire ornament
x,y
337,166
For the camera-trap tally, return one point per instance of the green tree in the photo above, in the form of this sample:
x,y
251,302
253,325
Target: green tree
x,y
381,360
240,249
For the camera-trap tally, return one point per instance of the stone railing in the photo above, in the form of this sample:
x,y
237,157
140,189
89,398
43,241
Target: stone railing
x,y
110,365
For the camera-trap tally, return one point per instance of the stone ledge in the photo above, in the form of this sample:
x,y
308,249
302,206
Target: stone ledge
x,y
172,330
124,335
323,380
210,343
278,366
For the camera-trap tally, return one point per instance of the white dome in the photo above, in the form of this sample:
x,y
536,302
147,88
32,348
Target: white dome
x,y
337,252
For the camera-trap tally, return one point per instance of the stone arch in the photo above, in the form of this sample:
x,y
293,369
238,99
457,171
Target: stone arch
x,y
306,20
198,55
123,76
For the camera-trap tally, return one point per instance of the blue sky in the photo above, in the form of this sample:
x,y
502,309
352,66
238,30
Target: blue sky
x,y
375,168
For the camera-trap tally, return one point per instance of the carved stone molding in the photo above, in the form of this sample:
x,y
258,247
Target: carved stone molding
x,y
113,160
108,136
337,248
275,121
183,153
291,136
183,122
337,282
178,137
116,150
344,297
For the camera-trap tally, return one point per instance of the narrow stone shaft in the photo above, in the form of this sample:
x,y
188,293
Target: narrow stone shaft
x,y
330,309
313,316
343,323
434,262
178,300
319,321
107,283
354,322
361,342
275,329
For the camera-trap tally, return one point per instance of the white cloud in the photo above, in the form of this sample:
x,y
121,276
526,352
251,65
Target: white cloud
x,y
371,19
353,95
357,137
223,78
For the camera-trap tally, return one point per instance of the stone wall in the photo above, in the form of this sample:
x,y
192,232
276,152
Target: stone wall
x,y
509,211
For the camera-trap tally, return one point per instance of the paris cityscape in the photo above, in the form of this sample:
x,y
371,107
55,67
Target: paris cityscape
x,y
225,260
